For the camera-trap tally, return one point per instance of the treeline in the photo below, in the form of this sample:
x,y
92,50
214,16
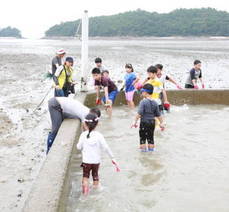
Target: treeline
x,y
180,22
10,32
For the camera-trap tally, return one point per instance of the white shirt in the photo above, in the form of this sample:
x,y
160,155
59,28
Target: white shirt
x,y
73,107
92,147
163,79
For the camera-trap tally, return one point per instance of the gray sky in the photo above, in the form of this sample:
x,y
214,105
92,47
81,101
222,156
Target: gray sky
x,y
34,17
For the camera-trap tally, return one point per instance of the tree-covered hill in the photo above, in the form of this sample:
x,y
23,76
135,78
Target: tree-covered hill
x,y
10,32
180,22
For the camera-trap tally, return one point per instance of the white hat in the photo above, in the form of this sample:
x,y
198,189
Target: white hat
x,y
61,51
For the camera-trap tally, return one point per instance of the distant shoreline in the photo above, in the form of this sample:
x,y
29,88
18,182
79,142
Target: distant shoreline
x,y
11,38
128,38
142,38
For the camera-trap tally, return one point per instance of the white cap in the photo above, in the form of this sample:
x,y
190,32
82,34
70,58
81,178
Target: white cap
x,y
61,51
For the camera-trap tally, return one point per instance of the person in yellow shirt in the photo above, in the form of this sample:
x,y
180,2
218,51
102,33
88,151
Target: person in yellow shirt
x,y
158,87
63,78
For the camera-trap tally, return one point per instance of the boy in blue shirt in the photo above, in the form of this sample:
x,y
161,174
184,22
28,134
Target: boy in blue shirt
x,y
148,110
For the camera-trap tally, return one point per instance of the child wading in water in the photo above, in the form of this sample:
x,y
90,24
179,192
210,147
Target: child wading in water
x,y
157,87
148,110
130,81
110,89
91,143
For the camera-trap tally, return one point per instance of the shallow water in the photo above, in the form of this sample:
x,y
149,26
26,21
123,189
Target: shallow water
x,y
189,171
23,64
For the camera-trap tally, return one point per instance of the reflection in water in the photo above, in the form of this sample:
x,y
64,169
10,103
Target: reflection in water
x,y
187,172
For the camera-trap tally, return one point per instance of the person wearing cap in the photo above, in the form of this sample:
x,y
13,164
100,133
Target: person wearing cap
x,y
98,64
57,60
63,78
148,111
61,108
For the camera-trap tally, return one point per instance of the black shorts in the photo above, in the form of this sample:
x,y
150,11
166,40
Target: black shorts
x,y
87,168
146,132
189,86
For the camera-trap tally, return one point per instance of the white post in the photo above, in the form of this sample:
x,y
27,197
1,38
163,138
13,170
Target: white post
x,y
84,52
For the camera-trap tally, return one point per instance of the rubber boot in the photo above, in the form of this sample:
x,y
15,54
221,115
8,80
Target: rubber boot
x,y
49,141
144,150
151,149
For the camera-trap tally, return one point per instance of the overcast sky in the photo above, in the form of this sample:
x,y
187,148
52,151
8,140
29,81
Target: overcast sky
x,y
34,17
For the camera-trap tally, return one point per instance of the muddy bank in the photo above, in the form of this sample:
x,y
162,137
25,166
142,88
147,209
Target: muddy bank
x,y
18,161
22,132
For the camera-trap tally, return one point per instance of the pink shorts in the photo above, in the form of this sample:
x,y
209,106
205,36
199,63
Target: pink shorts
x,y
129,95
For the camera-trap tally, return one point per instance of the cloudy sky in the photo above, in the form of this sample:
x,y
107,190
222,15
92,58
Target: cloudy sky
x,y
34,17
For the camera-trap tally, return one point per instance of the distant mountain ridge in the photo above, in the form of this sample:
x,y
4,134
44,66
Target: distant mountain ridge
x,y
180,22
10,32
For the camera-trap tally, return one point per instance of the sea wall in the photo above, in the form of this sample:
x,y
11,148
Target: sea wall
x,y
177,97
48,189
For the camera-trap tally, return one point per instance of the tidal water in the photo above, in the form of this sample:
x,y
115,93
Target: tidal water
x,y
188,171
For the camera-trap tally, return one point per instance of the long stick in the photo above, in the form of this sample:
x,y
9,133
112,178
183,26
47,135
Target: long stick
x,y
43,99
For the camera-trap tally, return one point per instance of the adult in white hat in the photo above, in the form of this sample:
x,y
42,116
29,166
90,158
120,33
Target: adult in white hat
x,y
57,60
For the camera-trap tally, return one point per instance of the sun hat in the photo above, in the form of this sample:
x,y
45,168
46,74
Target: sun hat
x,y
61,51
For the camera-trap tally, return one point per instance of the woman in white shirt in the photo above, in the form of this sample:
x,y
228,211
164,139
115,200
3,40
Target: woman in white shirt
x,y
61,108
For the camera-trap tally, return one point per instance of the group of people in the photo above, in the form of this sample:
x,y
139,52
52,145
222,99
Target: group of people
x,y
150,109
156,77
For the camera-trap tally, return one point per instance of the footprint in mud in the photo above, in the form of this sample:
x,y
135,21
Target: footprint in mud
x,y
151,178
155,168
132,174
149,204
151,164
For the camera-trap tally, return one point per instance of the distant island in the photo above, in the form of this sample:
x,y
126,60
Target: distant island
x,y
180,22
10,32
